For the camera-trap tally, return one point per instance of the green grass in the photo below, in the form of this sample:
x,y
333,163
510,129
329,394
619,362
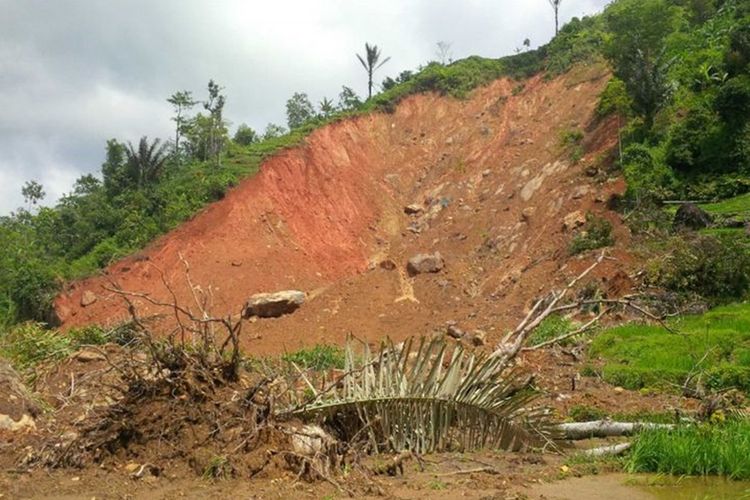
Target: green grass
x,y
703,450
644,356
27,344
739,205
320,357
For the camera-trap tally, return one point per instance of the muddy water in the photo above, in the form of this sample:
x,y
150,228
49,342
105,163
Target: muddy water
x,y
641,487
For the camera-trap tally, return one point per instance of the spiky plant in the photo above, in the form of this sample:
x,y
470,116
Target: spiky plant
x,y
146,164
426,396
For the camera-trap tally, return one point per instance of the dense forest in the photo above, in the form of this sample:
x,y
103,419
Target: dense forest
x,y
680,86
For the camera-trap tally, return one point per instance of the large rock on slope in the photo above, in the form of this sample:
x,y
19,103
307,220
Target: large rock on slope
x,y
691,217
273,305
425,263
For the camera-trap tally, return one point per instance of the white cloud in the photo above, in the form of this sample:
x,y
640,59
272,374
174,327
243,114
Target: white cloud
x,y
74,73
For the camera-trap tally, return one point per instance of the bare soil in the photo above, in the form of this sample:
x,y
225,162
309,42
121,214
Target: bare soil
x,y
493,179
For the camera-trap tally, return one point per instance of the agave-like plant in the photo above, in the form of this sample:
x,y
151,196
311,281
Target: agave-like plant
x,y
428,396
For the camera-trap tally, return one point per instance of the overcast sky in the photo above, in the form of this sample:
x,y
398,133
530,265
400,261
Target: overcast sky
x,y
74,73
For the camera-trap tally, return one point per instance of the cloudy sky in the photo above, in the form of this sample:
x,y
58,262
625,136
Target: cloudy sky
x,y
74,73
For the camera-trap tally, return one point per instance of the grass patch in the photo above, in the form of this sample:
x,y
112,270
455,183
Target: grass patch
x,y
739,205
319,357
27,344
553,326
638,356
702,450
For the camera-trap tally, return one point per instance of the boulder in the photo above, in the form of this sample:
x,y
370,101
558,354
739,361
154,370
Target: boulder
x,y
273,305
87,298
413,209
425,263
690,216
574,220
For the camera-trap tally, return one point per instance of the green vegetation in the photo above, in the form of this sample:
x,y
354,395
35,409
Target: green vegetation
x,y
715,266
596,233
709,449
28,344
320,357
553,326
712,349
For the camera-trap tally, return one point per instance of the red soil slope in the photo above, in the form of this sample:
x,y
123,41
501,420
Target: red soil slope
x,y
321,217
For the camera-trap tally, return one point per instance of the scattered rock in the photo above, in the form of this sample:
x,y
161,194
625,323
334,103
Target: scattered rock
x,y
618,390
486,173
690,216
580,192
478,338
527,213
88,354
425,263
574,220
413,209
455,332
87,298
387,264
7,423
273,305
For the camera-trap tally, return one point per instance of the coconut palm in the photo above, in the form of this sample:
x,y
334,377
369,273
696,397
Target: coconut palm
x,y
371,62
426,396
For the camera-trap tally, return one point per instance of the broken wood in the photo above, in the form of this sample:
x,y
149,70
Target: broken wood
x,y
607,451
605,428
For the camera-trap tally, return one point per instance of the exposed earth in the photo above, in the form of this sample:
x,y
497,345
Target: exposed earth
x,y
487,181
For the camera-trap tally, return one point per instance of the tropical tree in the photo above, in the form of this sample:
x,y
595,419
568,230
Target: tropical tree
x,y
299,109
182,102
145,164
443,52
217,132
245,135
32,192
371,62
348,99
272,131
555,4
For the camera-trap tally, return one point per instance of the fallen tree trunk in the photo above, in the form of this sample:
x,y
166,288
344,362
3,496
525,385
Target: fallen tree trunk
x,y
605,451
605,428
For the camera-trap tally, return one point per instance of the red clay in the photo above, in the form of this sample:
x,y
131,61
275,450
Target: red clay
x,y
320,217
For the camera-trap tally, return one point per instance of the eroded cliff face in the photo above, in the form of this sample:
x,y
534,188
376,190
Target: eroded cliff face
x,y
491,186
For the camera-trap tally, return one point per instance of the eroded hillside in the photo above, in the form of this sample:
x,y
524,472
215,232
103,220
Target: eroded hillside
x,y
493,185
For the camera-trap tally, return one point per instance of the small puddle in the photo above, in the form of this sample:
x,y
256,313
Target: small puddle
x,y
641,487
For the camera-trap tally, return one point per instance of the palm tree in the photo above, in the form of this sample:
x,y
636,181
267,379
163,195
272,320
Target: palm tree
x,y
145,165
370,63
555,4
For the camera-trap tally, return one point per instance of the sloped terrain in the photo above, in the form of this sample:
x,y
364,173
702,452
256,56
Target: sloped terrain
x,y
493,183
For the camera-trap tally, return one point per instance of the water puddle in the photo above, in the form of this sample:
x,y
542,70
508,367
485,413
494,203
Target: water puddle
x,y
641,487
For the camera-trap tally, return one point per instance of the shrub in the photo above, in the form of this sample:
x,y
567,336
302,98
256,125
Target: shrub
x,y
614,99
596,233
715,267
